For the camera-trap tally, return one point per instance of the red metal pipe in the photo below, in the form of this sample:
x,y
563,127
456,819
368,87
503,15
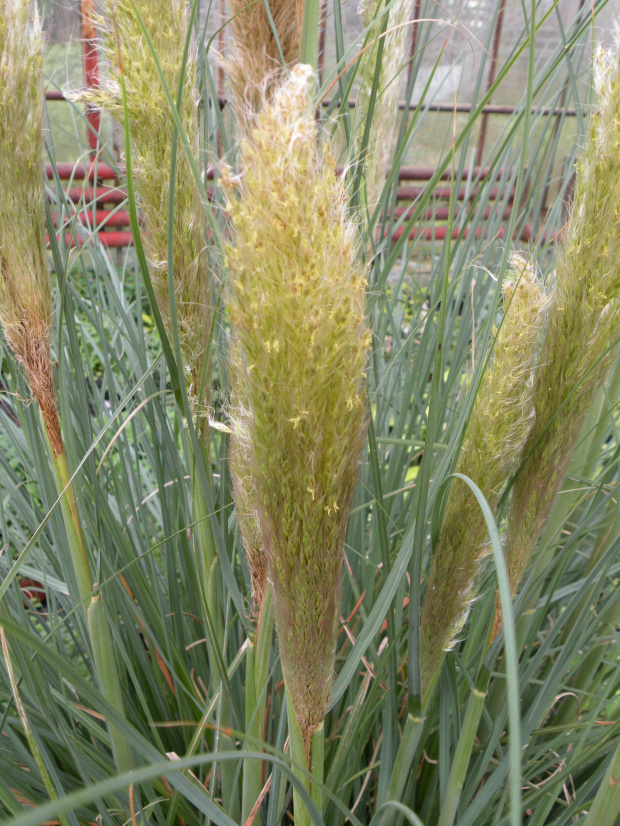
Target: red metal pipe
x,y
490,108
91,70
425,173
79,171
115,239
497,36
106,239
104,172
414,38
440,233
408,193
103,218
101,195
443,213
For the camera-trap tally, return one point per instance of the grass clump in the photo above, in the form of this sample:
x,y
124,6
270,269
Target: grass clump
x,y
140,562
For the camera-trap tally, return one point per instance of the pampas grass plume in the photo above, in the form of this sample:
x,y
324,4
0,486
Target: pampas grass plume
x,y
584,322
255,63
385,108
499,424
254,71
25,289
297,310
152,130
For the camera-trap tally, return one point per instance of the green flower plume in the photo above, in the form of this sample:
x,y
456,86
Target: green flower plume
x,y
25,289
151,131
385,109
584,322
297,310
500,421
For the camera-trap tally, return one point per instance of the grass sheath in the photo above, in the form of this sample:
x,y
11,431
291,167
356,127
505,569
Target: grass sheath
x,y
108,677
405,756
257,675
462,755
604,810
300,763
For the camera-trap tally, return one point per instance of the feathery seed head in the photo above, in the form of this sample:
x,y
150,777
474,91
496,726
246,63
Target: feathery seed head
x,y
584,321
500,421
386,104
23,259
243,482
25,290
255,65
152,129
297,307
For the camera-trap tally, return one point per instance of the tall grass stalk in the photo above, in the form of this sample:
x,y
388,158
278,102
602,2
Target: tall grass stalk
x,y
297,308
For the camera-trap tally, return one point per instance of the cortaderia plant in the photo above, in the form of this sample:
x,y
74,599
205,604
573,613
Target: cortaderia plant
x,y
317,393
297,310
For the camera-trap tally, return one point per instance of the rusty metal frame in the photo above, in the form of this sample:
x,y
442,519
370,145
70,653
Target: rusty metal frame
x,y
497,36
91,69
102,194
489,109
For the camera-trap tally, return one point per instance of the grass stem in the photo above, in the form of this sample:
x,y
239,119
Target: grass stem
x,y
299,764
71,521
310,34
107,675
98,626
208,561
604,811
317,763
403,761
251,768
462,755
